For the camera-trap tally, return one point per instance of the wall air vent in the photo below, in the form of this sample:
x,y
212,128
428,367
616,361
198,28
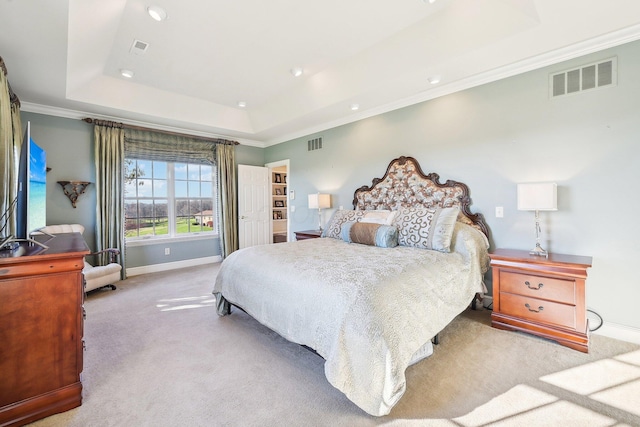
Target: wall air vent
x,y
139,47
586,77
314,144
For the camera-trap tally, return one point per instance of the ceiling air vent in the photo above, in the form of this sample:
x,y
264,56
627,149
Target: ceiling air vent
x,y
139,47
586,77
314,144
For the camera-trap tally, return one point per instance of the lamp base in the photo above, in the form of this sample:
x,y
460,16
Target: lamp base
x,y
538,251
319,219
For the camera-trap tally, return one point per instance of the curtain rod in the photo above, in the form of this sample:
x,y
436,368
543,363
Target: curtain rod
x,y
119,125
13,98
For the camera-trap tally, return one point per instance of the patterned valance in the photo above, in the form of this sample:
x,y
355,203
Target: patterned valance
x,y
168,148
405,185
151,144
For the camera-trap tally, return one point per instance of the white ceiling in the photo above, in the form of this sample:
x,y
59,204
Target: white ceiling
x,y
64,56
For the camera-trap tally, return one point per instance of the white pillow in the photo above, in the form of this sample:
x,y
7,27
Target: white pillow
x,y
382,217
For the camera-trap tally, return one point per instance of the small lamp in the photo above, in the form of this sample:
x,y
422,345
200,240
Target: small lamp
x,y
319,201
541,196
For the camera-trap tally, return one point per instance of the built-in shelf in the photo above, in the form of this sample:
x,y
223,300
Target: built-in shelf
x,y
279,209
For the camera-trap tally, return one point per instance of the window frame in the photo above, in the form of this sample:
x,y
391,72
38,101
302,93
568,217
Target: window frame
x,y
172,235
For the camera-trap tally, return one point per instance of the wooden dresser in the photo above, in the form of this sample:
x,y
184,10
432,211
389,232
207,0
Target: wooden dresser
x,y
541,296
41,328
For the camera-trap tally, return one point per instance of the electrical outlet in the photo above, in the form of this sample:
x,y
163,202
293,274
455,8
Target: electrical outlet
x,y
499,212
167,251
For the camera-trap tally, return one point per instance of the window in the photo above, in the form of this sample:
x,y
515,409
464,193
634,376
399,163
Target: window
x,y
165,199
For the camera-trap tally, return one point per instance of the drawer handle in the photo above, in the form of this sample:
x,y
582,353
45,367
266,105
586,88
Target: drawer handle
x,y
534,310
540,285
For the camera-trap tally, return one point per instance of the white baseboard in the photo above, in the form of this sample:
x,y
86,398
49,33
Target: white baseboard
x,y
619,332
154,268
608,329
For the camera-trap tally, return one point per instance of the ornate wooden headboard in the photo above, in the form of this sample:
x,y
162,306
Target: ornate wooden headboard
x,y
404,184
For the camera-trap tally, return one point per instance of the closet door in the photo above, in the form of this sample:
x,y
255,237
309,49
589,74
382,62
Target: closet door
x,y
254,209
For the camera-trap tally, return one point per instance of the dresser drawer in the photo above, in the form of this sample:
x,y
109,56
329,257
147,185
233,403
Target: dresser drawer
x,y
41,267
540,311
530,285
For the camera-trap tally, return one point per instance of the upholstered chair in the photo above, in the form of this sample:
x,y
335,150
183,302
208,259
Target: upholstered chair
x,y
99,276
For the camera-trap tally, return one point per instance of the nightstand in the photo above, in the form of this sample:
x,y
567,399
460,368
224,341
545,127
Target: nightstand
x,y
541,296
308,234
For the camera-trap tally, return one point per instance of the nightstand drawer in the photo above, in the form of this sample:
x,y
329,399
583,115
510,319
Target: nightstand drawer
x,y
538,310
529,285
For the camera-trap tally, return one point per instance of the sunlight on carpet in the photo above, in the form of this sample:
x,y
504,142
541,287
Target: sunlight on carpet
x,y
519,399
613,382
593,377
185,303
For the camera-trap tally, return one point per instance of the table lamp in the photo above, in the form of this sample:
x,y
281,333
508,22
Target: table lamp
x,y
540,196
319,201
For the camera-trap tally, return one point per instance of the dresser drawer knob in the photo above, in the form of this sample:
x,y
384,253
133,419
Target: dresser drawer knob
x,y
540,308
540,285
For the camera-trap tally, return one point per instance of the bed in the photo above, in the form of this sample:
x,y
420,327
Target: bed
x,y
369,296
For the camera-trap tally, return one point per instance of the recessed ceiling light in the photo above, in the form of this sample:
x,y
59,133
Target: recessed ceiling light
x,y
126,73
429,1
157,13
242,104
355,107
296,72
434,80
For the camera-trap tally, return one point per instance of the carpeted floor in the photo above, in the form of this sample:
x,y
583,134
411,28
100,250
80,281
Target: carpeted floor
x,y
158,355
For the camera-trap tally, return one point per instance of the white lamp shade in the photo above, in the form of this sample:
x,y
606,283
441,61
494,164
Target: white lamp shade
x,y
538,196
319,201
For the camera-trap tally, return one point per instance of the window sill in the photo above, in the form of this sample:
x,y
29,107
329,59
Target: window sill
x,y
164,240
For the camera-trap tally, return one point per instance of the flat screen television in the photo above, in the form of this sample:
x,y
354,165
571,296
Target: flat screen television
x,y
31,204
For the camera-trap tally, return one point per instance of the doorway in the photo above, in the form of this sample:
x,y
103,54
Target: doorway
x,y
280,189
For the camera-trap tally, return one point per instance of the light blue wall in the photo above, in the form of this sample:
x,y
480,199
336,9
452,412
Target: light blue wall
x,y
499,134
70,155
69,147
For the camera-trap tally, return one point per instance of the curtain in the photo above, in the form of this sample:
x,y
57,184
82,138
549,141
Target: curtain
x,y
10,144
109,160
149,144
227,199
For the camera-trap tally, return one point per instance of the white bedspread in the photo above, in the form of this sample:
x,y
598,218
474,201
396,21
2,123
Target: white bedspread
x,y
365,310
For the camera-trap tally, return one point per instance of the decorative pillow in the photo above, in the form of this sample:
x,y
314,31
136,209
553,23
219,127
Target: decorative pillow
x,y
426,228
381,235
339,217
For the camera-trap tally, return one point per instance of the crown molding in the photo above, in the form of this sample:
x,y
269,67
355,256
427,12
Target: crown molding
x,y
79,115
